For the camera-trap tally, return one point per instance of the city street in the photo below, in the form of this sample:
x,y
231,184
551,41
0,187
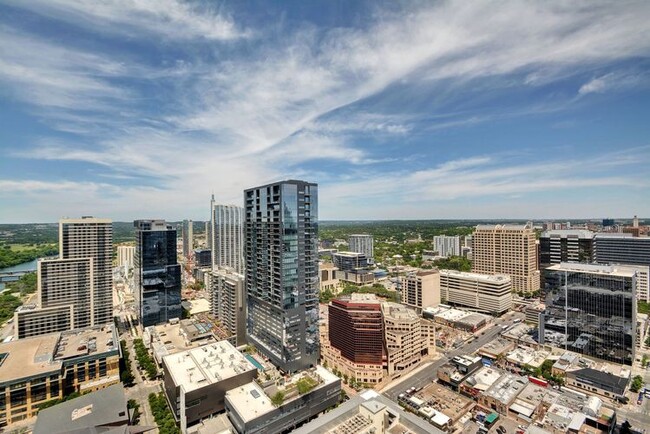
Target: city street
x,y
429,374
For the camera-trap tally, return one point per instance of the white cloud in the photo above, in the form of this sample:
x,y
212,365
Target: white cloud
x,y
596,85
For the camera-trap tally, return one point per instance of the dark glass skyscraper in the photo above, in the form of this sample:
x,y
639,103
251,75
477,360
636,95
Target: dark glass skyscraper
x,y
281,255
590,309
157,272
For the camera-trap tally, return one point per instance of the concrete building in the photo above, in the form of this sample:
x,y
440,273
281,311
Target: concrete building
x,y
227,229
357,277
568,245
328,279
349,261
362,243
421,289
92,238
447,246
590,309
402,337
503,392
228,302
621,249
196,380
455,318
102,411
356,334
481,292
642,279
157,273
507,249
39,369
282,283
125,257
30,322
187,233
65,282
304,395
178,336
368,412
458,369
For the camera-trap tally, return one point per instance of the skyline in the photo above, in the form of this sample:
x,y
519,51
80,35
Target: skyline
x,y
404,111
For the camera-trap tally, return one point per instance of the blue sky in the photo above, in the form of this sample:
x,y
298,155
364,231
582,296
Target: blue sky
x,y
142,108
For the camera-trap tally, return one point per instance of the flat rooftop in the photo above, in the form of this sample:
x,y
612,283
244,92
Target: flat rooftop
x,y
207,364
398,311
506,388
607,270
492,278
484,378
77,343
28,357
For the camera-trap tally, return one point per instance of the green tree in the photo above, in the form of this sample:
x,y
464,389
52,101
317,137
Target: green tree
x,y
277,399
637,383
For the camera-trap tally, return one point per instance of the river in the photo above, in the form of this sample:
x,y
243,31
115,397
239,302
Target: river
x,y
25,266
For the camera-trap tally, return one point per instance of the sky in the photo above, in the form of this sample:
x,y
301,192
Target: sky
x,y
132,109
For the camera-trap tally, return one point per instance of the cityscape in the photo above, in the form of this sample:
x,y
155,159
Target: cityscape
x,y
324,217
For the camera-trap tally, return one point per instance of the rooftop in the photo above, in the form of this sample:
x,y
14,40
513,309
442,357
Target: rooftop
x,y
493,278
496,346
103,407
208,364
580,233
506,388
484,378
398,311
609,270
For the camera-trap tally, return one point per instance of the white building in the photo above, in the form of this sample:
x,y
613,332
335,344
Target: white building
x,y
421,289
125,256
481,292
227,237
447,246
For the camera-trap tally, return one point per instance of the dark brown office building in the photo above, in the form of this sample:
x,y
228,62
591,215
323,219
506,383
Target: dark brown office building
x,y
356,329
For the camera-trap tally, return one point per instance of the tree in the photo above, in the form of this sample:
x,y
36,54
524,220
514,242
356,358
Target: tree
x,y
637,383
277,399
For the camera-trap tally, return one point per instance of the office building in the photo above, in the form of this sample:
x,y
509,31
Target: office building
x,y
447,246
349,261
507,249
196,380
30,322
92,238
362,243
227,237
369,412
228,302
66,282
481,292
590,309
187,232
421,289
38,369
356,337
570,245
622,249
157,273
282,285
305,395
402,337
328,279
202,258
125,257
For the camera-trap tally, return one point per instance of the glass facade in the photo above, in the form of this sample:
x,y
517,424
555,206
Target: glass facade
x,y
158,275
590,309
281,255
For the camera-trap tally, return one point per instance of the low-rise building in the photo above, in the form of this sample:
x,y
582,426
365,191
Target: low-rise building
x,y
369,412
496,348
458,369
177,336
196,380
277,408
597,382
480,381
38,369
502,393
455,318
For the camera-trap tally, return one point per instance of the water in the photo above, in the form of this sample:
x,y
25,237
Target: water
x,y
25,266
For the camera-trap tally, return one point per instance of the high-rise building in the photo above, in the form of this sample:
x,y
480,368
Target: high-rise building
x,y
349,261
282,286
202,258
228,302
507,249
590,309
227,237
208,234
362,243
188,238
447,246
125,256
621,249
402,337
92,238
489,293
567,245
421,289
157,273
65,282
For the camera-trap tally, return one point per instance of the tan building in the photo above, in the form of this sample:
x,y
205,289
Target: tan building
x,y
507,249
487,293
328,279
421,289
39,369
403,337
